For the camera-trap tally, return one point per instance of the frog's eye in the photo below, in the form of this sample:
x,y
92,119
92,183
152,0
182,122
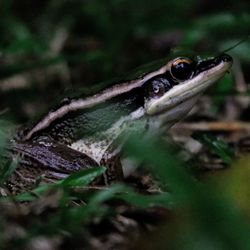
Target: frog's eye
x,y
182,68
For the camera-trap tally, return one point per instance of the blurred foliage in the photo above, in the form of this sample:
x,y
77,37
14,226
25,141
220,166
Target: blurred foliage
x,y
217,146
6,167
206,218
235,184
204,215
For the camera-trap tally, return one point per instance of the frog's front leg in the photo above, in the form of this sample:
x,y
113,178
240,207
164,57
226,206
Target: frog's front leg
x,y
112,161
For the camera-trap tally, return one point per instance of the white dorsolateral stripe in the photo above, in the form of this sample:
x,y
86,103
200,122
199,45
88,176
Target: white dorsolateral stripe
x,y
92,100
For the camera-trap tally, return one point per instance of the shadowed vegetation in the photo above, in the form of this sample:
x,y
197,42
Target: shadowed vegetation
x,y
193,190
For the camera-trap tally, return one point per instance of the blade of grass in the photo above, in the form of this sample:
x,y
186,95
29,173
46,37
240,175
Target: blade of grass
x,y
80,178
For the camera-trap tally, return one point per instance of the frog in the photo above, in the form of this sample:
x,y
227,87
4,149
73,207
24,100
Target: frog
x,y
86,130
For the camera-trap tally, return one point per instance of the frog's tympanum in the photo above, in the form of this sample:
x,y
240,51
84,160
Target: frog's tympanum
x,y
84,130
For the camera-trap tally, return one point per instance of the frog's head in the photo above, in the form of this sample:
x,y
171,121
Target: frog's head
x,y
172,94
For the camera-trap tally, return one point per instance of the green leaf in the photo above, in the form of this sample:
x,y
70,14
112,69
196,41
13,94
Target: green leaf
x,y
82,177
35,193
93,206
5,131
6,165
219,147
7,170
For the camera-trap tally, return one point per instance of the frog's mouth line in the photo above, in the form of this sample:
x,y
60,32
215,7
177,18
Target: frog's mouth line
x,y
189,88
